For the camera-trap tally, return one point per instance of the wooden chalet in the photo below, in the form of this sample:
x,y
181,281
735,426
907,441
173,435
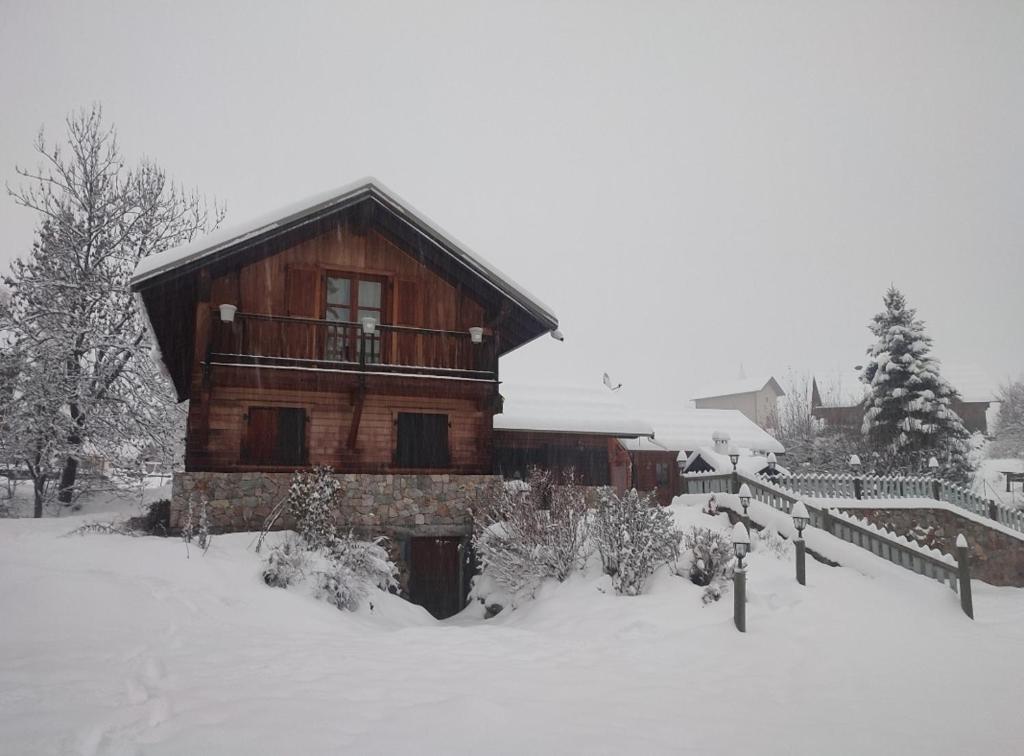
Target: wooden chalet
x,y
348,331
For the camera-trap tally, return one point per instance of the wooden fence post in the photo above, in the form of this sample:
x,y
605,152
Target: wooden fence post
x,y
962,558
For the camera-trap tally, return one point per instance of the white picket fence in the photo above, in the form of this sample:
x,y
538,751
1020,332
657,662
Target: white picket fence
x,y
845,485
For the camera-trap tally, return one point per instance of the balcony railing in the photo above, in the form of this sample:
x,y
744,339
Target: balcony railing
x,y
273,340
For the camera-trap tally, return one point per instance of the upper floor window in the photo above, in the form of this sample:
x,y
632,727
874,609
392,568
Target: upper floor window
x,y
661,473
349,299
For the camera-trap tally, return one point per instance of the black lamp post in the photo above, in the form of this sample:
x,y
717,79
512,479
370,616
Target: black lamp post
x,y
734,457
800,520
933,469
741,545
857,483
745,502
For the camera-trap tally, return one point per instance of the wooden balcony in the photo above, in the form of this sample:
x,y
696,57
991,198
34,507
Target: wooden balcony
x,y
311,344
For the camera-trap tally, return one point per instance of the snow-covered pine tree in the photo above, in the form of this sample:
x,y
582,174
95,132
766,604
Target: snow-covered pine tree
x,y
71,313
908,415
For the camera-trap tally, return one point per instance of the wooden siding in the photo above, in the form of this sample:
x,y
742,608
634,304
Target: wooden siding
x,y
645,475
603,460
329,418
414,295
350,418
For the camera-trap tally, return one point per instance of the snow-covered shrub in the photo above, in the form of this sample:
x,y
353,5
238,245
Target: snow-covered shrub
x,y
197,524
105,528
710,556
342,572
312,499
367,560
768,541
634,536
531,531
155,521
286,563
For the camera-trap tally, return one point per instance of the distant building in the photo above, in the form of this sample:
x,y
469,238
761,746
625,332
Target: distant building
x,y
678,434
837,398
754,397
558,428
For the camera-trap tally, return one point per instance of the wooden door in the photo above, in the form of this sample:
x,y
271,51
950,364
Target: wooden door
x,y
434,575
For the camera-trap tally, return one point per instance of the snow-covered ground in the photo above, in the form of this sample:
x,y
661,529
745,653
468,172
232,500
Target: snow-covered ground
x,y
119,645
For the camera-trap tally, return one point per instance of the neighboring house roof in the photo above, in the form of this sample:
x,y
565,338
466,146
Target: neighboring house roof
x,y
740,386
749,464
842,388
592,410
689,429
223,241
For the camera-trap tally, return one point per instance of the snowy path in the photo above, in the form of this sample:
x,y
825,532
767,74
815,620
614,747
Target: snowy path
x,y
115,645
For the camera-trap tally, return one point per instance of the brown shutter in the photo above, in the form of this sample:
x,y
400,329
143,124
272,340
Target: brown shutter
x,y
302,300
302,297
261,431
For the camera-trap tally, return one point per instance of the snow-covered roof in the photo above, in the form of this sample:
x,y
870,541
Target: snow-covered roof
x,y
842,388
315,207
749,464
643,443
567,409
689,429
739,386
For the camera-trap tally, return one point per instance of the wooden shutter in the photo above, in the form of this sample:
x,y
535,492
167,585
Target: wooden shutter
x,y
291,436
422,441
302,300
260,436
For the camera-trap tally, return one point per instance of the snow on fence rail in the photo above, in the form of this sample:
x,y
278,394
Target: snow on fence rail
x,y
897,549
848,486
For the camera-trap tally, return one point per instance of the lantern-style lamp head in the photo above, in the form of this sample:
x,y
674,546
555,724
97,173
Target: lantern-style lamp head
x,y
772,461
855,462
800,518
369,325
745,497
734,456
740,542
227,313
933,464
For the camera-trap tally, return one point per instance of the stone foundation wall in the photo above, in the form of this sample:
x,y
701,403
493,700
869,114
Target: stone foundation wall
x,y
370,504
996,557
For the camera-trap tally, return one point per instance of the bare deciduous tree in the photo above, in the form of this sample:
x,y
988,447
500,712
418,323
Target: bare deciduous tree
x,y
85,379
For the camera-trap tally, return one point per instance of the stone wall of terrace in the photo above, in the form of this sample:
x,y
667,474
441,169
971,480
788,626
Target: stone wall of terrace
x,y
997,557
384,504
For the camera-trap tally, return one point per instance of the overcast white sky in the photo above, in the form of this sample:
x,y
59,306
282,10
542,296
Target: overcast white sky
x,y
688,185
